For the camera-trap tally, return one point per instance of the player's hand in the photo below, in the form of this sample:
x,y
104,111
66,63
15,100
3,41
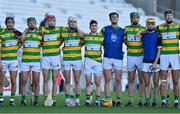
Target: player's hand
x,y
81,33
154,65
22,38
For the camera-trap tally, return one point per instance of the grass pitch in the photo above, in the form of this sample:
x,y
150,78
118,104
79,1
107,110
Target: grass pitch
x,y
83,109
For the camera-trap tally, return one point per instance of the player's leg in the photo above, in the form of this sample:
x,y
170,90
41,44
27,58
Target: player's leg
x,y
139,63
118,87
24,78
35,78
147,78
141,88
67,76
1,84
88,73
175,79
156,88
107,71
107,77
163,87
98,87
175,63
118,66
46,72
55,74
77,68
164,66
98,74
13,70
131,78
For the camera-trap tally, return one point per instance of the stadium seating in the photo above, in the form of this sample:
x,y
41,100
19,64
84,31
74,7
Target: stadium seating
x,y
84,10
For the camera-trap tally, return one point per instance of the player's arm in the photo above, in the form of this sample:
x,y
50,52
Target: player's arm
x,y
18,35
140,33
1,66
22,37
125,37
159,42
81,34
62,29
102,32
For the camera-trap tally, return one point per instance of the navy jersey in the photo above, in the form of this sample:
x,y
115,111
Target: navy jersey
x,y
113,41
151,43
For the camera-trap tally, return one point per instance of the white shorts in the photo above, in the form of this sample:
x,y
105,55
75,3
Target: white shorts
x,y
167,60
51,62
77,65
34,66
110,63
92,66
10,65
147,67
134,63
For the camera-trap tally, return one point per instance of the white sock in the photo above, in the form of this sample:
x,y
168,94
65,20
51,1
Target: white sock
x,y
1,99
67,99
11,99
164,101
77,100
176,101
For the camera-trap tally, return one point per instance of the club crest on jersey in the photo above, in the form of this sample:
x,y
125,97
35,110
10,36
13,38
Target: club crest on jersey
x,y
113,37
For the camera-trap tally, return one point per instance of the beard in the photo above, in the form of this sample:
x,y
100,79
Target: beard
x,y
135,23
114,23
150,30
10,28
169,22
32,28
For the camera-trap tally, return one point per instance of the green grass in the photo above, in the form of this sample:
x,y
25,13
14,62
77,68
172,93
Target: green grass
x,y
83,109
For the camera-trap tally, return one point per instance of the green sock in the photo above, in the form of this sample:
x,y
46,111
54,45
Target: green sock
x,y
176,97
118,98
154,100
97,97
130,98
87,97
147,100
141,99
77,96
1,95
67,96
23,98
54,98
163,97
45,98
36,98
12,95
107,97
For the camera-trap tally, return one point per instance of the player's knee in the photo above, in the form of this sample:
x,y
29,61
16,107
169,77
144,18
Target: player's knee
x,y
13,82
77,81
46,81
163,82
97,83
88,83
156,85
176,82
147,84
118,82
131,81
